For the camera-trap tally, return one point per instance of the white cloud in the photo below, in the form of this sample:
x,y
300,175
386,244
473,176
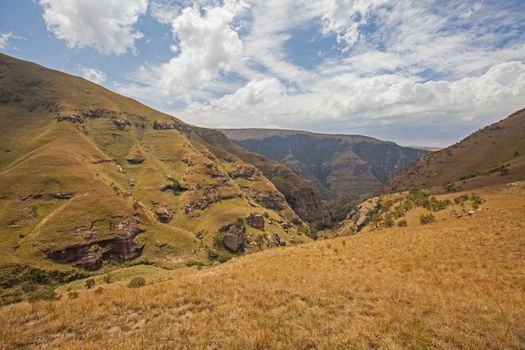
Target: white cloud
x,y
93,74
416,63
4,38
206,46
105,25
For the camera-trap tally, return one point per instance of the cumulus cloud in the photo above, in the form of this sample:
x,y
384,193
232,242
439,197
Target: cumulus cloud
x,y
4,38
206,45
398,63
105,25
93,74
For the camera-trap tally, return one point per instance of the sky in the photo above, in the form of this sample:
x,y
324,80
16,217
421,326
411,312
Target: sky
x,y
416,72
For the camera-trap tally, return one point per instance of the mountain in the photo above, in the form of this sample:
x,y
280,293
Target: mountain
x,y
338,165
91,179
492,155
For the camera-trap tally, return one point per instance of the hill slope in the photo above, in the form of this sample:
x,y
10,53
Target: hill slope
x,y
90,178
492,155
337,165
456,283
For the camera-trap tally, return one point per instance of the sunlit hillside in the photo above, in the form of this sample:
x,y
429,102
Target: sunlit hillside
x,y
458,282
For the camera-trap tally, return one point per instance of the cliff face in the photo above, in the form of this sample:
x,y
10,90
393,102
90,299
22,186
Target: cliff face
x,y
298,192
338,165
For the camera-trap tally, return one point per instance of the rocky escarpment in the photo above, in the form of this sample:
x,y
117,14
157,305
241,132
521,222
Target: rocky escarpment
x,y
91,255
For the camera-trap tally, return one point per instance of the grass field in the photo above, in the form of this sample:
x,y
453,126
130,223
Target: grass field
x,y
454,283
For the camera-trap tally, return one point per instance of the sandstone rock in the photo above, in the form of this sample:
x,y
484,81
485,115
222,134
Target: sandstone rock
x,y
234,238
271,200
135,160
163,214
73,118
120,123
62,195
212,254
275,240
256,221
93,253
360,214
243,172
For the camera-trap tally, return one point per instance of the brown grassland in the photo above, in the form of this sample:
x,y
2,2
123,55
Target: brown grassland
x,y
455,283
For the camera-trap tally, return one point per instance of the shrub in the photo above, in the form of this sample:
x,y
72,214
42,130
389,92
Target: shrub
x,y
136,282
476,200
99,290
72,295
107,279
427,219
402,223
90,282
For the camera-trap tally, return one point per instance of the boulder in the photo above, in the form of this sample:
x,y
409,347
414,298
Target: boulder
x,y
234,238
212,254
120,123
163,214
255,221
275,240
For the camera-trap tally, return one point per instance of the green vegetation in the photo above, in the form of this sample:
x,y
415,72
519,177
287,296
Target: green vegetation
x,y
427,219
137,282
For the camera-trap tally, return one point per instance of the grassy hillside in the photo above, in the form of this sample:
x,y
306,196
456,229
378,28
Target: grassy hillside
x,y
91,179
339,166
492,155
454,283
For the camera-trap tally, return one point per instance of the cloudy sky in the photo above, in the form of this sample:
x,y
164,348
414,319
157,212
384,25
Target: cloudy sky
x,y
415,72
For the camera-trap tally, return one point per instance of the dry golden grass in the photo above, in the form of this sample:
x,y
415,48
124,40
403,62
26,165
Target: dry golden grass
x,y
457,283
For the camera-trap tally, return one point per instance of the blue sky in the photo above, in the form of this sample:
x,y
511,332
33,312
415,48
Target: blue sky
x,y
415,72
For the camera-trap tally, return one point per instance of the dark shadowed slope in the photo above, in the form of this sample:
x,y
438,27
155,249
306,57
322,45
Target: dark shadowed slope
x,y
338,165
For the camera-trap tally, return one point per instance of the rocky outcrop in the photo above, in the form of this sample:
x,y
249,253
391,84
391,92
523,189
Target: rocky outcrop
x,y
92,255
307,205
171,126
244,171
55,195
208,197
275,240
163,214
136,159
271,200
73,118
121,123
359,216
256,221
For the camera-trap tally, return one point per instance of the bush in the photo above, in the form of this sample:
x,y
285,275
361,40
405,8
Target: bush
x,y
402,223
90,282
72,295
137,282
99,290
476,200
427,219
